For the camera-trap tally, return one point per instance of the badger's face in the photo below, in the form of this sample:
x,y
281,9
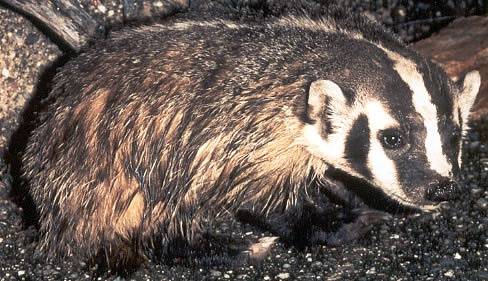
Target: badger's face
x,y
400,129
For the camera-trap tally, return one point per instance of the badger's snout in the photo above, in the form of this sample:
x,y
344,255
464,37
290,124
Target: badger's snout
x,y
443,190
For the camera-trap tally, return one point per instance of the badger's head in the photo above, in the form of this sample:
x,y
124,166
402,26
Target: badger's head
x,y
394,122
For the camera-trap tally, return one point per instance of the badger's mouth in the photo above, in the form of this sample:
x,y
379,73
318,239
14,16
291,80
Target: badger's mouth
x,y
411,204
377,197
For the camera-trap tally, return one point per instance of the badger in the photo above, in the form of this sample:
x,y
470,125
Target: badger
x,y
154,133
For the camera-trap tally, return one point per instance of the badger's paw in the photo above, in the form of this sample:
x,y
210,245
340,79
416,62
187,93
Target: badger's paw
x,y
349,232
223,250
258,251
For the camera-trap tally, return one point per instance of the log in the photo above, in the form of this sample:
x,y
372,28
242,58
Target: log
x,y
460,47
65,19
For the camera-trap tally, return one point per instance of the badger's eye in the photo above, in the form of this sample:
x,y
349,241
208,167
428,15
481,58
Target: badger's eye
x,y
392,139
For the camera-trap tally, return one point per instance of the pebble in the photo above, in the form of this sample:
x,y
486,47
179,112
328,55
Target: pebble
x,y
317,264
449,273
474,145
32,38
267,277
476,191
283,276
483,275
371,271
215,273
21,272
482,203
286,265
5,72
457,256
102,8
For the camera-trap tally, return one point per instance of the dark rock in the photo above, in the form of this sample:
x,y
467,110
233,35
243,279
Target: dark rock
x,y
32,38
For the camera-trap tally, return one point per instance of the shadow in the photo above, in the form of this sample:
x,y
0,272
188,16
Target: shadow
x,y
18,141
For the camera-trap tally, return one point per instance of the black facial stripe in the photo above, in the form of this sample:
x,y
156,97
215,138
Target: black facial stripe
x,y
439,89
357,146
437,85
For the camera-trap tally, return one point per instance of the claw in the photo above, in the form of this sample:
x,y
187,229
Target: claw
x,y
258,251
369,216
349,232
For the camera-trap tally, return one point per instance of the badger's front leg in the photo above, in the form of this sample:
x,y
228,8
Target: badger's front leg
x,y
348,232
363,217
316,218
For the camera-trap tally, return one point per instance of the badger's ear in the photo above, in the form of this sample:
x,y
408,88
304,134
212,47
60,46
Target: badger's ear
x,y
468,92
324,97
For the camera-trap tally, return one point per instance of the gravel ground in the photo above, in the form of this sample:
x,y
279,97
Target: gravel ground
x,y
449,245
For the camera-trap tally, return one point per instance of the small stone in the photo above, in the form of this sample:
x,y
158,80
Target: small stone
x,y
449,273
283,276
371,271
395,236
474,145
102,8
483,275
482,203
215,273
31,39
317,264
457,256
5,72
21,272
158,4
110,13
227,276
286,265
476,191
266,277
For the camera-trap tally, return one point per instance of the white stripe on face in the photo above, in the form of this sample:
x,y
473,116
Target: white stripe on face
x,y
423,105
381,166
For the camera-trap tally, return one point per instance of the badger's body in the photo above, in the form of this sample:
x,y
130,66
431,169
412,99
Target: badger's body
x,y
161,128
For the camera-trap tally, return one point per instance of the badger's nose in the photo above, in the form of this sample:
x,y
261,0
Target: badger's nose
x,y
443,191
